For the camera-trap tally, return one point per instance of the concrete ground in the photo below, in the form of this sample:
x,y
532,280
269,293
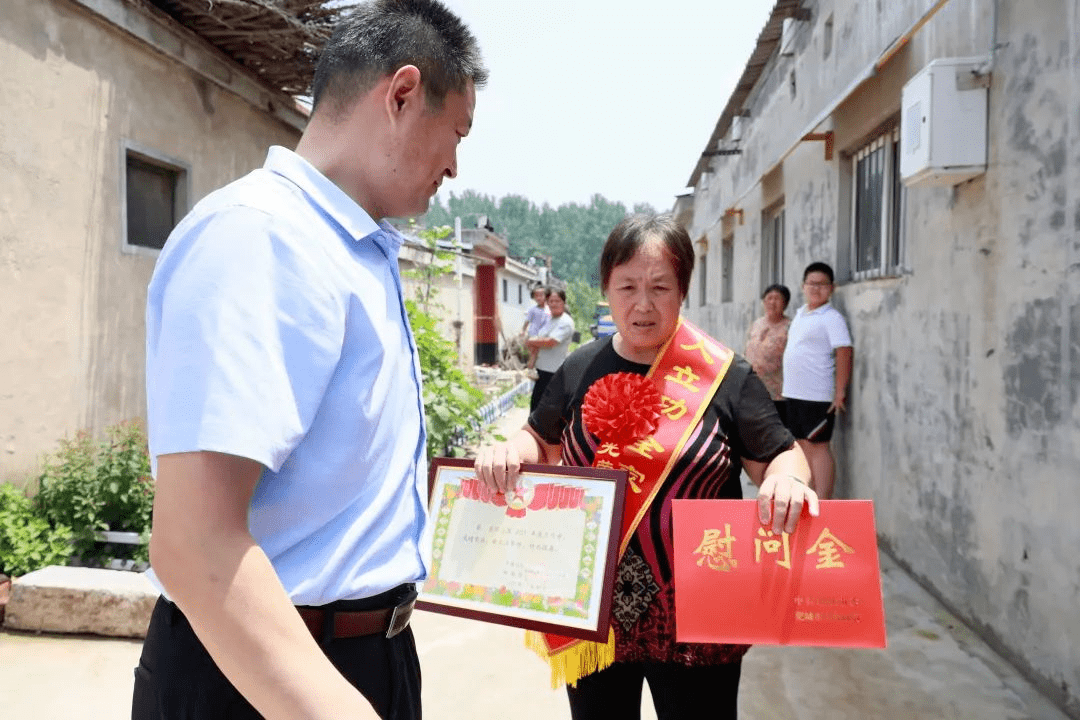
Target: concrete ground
x,y
933,668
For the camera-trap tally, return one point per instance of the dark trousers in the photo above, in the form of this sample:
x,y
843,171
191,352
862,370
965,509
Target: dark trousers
x,y
539,386
177,680
679,692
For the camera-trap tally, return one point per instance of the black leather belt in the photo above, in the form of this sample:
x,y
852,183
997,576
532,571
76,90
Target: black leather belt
x,y
328,622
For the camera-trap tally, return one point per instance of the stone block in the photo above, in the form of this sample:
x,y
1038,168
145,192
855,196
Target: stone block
x,y
81,600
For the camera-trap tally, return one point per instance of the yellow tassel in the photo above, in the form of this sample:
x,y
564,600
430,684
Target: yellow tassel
x,y
575,662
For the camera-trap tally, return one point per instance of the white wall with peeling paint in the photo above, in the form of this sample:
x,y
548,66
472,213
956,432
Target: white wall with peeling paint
x,y
964,409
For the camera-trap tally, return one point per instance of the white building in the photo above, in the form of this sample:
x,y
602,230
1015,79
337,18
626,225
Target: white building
x,y
949,205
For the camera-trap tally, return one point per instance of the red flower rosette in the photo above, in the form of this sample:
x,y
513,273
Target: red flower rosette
x,y
621,408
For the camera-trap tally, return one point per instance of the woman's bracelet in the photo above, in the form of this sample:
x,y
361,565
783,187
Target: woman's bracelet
x,y
798,479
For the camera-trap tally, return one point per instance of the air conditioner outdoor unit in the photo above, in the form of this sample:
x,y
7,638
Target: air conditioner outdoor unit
x,y
943,123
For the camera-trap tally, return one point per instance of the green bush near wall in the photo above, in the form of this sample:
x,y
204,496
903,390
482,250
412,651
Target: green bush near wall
x,y
93,485
27,541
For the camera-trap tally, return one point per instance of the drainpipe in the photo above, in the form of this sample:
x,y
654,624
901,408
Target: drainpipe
x,y
992,54
984,73
1070,286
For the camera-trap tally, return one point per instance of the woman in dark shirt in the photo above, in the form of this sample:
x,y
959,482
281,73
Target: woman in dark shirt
x,y
645,271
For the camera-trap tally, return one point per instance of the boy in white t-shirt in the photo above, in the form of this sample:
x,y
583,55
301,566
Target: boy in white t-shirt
x,y
817,368
535,317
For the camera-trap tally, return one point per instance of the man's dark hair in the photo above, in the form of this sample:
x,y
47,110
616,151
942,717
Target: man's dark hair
x,y
379,37
556,291
819,267
633,231
782,289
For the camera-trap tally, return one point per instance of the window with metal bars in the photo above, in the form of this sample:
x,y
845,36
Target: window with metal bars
x,y
703,278
772,246
727,258
877,205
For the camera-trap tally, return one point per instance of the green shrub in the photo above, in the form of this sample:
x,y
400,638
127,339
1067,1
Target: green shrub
x,y
91,486
450,402
27,541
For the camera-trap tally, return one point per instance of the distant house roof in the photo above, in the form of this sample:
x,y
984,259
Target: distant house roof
x,y
767,41
277,40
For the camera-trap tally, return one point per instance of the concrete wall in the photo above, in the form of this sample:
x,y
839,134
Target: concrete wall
x,y
453,298
74,88
963,422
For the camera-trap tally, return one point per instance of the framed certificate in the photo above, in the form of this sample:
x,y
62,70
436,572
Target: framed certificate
x,y
541,559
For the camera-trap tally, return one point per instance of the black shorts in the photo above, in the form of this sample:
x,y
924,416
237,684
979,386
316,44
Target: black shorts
x,y
806,416
781,410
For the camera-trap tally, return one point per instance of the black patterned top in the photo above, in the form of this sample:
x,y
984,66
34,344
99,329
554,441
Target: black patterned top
x,y
741,421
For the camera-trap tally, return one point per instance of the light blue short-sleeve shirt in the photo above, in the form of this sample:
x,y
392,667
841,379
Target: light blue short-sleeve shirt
x,y
276,331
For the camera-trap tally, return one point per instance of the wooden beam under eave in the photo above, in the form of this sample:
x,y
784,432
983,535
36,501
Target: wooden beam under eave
x,y
827,138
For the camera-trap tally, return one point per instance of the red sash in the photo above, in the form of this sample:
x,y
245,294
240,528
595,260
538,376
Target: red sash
x,y
687,371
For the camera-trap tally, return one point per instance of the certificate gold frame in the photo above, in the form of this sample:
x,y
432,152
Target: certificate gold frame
x,y
543,559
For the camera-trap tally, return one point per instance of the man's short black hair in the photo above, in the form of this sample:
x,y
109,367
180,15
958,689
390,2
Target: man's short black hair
x,y
379,37
818,267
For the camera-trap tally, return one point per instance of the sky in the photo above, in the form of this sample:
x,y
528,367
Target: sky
x,y
616,97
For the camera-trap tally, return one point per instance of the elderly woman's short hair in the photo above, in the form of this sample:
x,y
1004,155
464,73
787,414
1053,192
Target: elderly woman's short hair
x,y
782,289
634,231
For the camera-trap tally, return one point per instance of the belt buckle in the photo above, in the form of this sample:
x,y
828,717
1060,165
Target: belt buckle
x,y
399,619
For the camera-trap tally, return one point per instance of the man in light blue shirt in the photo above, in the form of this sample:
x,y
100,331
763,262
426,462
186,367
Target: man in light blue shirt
x,y
284,397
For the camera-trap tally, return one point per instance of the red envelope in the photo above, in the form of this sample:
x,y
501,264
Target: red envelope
x,y
737,582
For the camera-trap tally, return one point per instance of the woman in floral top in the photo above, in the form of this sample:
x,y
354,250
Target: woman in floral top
x,y
766,341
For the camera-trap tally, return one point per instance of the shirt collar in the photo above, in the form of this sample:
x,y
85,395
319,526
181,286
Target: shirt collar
x,y
331,199
805,309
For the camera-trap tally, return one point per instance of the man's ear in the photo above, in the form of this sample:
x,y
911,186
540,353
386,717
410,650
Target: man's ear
x,y
404,89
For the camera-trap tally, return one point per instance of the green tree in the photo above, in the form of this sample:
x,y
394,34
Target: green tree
x,y
581,299
571,234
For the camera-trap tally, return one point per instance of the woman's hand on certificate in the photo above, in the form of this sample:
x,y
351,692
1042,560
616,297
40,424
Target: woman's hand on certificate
x,y
781,500
498,465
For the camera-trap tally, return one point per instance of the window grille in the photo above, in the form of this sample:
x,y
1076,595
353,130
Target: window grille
x,y
877,208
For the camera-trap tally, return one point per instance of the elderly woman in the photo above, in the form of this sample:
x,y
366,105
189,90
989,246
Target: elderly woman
x,y
551,343
645,271
767,339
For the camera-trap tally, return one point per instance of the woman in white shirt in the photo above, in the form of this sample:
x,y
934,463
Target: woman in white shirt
x,y
552,343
